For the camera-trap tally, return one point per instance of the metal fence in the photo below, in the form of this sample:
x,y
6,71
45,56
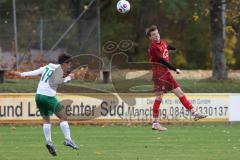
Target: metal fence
x,y
40,40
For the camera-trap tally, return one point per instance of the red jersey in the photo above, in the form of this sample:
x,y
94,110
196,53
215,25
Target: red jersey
x,y
156,52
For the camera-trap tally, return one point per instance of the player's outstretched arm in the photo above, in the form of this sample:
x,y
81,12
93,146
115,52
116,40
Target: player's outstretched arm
x,y
168,65
68,78
30,73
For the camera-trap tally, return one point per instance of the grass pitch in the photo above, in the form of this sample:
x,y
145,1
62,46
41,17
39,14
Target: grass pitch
x,y
188,86
208,141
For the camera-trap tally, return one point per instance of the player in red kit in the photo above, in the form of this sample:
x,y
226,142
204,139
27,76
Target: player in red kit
x,y
162,77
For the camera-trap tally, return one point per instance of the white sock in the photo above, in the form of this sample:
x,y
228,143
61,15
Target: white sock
x,y
47,132
65,129
193,111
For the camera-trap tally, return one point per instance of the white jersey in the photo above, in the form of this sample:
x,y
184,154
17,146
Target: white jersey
x,y
51,76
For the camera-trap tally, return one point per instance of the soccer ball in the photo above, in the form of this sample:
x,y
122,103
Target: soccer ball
x,y
123,6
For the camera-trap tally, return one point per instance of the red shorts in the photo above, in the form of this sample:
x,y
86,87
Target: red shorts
x,y
164,83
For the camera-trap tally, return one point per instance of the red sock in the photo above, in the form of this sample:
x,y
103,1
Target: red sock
x,y
186,103
156,106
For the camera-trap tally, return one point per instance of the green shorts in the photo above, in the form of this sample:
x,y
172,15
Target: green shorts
x,y
47,105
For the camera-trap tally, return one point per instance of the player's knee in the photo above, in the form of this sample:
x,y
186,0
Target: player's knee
x,y
46,120
159,97
62,118
178,92
181,93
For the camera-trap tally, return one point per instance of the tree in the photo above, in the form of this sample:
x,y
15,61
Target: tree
x,y
217,22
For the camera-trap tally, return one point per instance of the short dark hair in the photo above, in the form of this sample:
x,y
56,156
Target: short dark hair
x,y
63,58
150,29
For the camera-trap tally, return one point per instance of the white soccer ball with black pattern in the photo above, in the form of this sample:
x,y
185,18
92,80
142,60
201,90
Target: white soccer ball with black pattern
x,y
123,6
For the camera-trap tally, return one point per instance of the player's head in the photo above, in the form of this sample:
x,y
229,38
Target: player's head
x,y
152,33
65,61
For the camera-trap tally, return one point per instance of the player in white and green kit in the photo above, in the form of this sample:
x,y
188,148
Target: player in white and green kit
x,y
47,103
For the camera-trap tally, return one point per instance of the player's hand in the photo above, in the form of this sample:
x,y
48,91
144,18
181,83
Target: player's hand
x,y
17,73
72,75
169,47
178,71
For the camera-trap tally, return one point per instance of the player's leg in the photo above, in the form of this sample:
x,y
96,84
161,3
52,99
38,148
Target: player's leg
x,y
180,94
43,108
64,124
47,134
47,129
156,105
160,89
65,127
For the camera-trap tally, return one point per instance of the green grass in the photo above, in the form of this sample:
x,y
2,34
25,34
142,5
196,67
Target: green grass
x,y
188,86
211,86
19,86
212,141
